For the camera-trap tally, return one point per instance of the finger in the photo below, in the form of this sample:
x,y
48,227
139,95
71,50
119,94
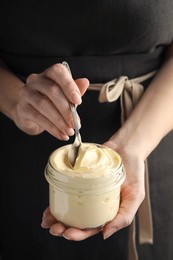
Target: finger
x,y
37,121
48,221
112,144
78,234
125,216
32,107
46,108
46,212
83,84
120,222
72,233
59,74
42,104
53,99
57,229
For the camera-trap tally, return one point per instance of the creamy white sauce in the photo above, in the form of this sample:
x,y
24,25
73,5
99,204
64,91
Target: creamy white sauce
x,y
87,195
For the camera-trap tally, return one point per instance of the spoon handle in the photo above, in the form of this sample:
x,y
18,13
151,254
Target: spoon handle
x,y
67,66
73,109
74,114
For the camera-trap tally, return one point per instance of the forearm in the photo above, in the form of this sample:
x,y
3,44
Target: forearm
x,y
9,90
152,118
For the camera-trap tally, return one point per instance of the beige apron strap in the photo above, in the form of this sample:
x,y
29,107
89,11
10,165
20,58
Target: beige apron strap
x,y
133,253
130,91
145,215
145,223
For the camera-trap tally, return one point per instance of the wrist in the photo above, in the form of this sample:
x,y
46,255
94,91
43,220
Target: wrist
x,y
9,103
133,139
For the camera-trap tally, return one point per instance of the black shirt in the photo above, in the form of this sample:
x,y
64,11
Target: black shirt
x,y
100,39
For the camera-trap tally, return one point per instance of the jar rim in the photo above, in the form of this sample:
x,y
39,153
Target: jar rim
x,y
113,180
106,175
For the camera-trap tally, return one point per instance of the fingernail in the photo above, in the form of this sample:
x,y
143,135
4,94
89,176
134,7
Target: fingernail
x,y
66,237
76,98
54,233
43,225
65,137
70,131
109,233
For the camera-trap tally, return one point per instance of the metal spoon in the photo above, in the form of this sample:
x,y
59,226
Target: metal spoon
x,y
74,149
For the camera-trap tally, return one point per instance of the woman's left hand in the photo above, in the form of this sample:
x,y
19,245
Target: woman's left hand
x,y
132,194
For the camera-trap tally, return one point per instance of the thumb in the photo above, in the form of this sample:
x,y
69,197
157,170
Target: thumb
x,y
83,84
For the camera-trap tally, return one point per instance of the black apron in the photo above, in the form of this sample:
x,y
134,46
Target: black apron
x,y
101,41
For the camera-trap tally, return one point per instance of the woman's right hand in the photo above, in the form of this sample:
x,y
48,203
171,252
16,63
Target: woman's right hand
x,y
43,102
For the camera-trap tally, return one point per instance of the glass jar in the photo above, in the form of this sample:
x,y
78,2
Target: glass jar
x,y
84,199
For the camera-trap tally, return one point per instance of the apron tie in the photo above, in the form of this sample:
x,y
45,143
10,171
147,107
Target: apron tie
x,y
130,91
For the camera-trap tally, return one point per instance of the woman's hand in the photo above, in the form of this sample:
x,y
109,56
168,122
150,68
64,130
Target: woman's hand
x,y
132,194
43,102
136,139
133,188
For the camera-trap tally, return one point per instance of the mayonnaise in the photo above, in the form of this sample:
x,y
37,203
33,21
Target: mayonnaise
x,y
87,195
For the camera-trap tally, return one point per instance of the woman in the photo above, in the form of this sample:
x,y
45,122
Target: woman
x,y
101,42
